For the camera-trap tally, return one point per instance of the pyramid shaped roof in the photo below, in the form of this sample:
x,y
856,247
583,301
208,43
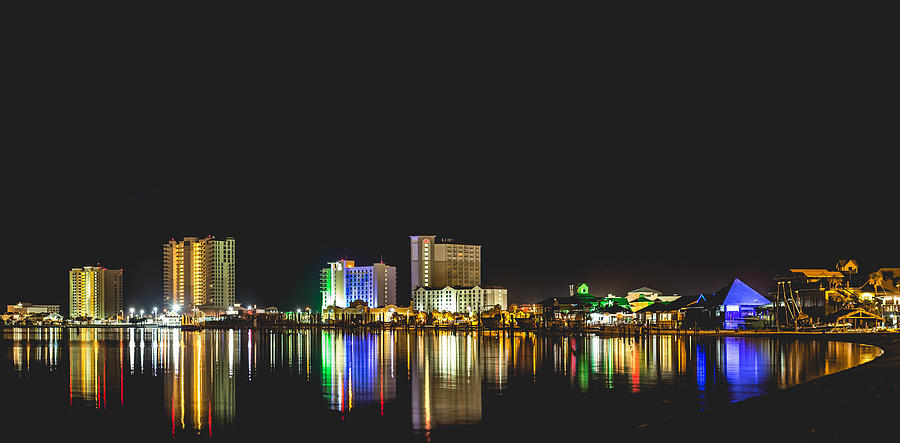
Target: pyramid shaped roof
x,y
737,293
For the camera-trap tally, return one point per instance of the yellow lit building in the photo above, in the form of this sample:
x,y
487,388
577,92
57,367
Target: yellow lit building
x,y
95,292
199,271
437,265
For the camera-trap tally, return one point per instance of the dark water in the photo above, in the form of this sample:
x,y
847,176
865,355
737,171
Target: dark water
x,y
156,384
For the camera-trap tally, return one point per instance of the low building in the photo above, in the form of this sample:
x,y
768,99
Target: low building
x,y
733,306
339,315
386,314
23,308
528,309
459,298
818,292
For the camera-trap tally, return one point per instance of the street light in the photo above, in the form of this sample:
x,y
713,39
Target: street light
x,y
154,313
130,312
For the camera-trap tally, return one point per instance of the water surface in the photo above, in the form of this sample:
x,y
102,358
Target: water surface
x,y
164,383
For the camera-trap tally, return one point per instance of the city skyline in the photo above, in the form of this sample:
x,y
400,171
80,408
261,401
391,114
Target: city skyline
x,y
700,279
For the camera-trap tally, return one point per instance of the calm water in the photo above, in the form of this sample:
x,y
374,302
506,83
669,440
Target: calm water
x,y
164,383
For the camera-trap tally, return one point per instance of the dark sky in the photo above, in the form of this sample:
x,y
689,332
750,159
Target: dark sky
x,y
673,158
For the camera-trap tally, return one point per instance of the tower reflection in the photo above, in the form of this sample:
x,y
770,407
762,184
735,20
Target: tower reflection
x,y
199,380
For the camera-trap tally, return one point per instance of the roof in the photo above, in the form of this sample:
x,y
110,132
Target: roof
x,y
842,263
615,309
847,314
644,289
655,307
735,293
550,301
621,301
819,273
642,299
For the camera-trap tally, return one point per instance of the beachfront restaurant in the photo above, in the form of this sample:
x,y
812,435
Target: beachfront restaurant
x,y
732,307
665,315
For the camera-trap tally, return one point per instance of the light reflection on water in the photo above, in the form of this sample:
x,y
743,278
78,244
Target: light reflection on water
x,y
434,379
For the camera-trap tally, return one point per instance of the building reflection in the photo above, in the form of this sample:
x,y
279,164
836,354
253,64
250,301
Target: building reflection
x,y
199,380
429,379
96,368
34,347
358,370
448,371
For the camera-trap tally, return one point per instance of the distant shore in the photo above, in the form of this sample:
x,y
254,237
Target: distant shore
x,y
879,339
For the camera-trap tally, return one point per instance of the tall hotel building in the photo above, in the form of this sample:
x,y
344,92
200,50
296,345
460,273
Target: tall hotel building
x,y
95,292
446,264
343,282
199,272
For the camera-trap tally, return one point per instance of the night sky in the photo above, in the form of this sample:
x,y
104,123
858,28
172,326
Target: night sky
x,y
622,162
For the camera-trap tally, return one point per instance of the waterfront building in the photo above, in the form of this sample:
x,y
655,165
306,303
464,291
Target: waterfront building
x,y
342,282
438,265
23,308
645,292
818,292
96,292
650,294
199,272
459,298
731,307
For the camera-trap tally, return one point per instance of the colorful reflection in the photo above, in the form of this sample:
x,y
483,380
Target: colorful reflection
x,y
96,369
423,380
358,369
199,380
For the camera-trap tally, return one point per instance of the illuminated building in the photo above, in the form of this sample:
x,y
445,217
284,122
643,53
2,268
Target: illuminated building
x,y
23,308
446,264
199,271
459,298
650,294
95,292
331,283
343,282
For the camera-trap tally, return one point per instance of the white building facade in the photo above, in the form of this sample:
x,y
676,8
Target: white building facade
x,y
461,299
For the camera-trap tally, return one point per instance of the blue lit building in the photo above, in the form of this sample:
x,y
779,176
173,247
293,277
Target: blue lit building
x,y
731,307
343,282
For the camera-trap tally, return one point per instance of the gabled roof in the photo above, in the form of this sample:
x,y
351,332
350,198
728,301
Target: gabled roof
x,y
644,289
642,299
818,273
655,307
847,314
842,263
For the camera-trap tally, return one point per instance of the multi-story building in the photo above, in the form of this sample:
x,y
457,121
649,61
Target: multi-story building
x,y
23,308
199,272
95,292
459,298
437,265
343,282
331,283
